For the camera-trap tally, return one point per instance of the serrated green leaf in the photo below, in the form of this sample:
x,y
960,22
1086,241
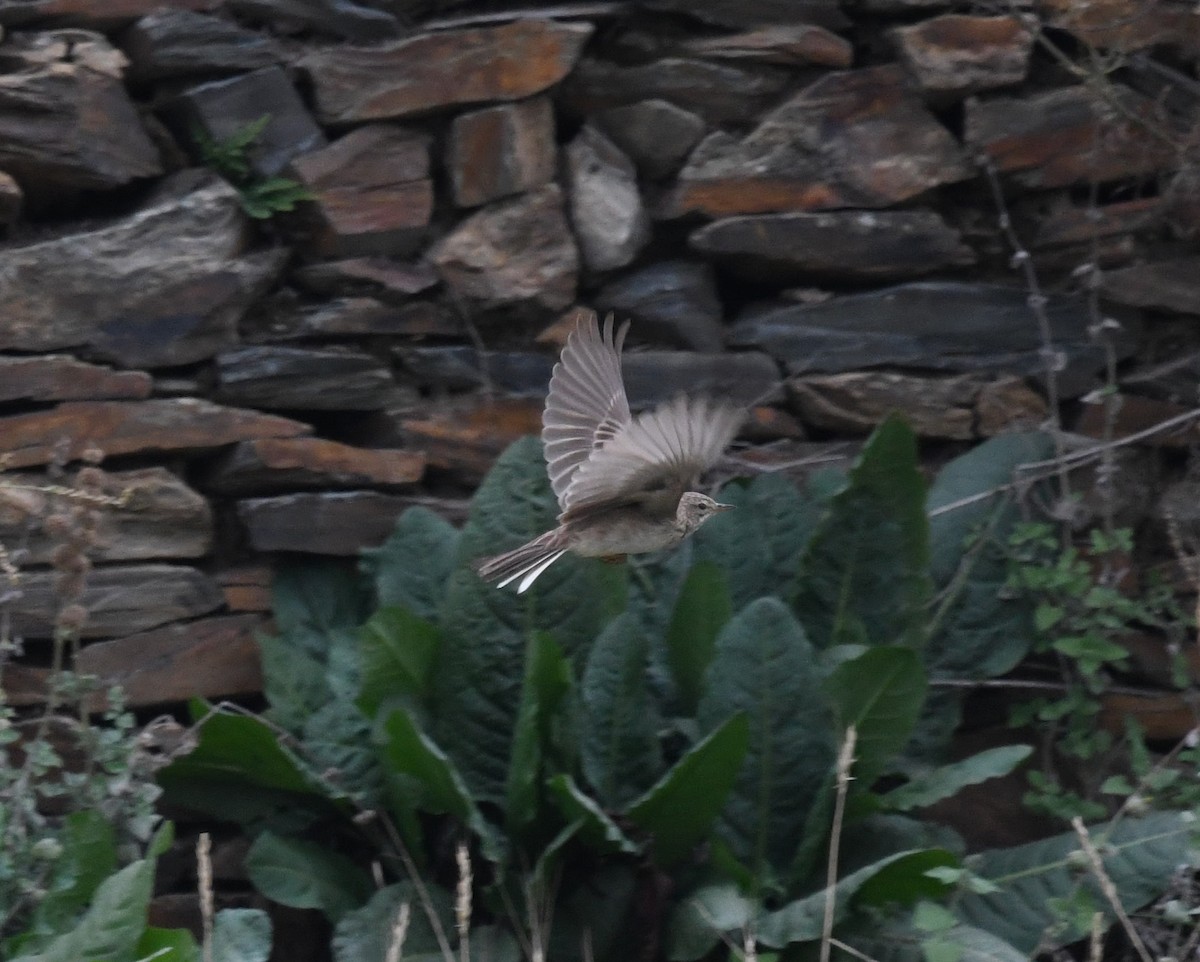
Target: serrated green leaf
x,y
948,780
412,568
619,749
364,933
678,811
864,576
312,599
305,875
480,667
398,649
701,611
595,827
337,742
1139,857
758,545
547,684
931,917
880,693
241,935
765,668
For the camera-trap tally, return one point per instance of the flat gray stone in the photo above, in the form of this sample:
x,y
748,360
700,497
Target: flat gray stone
x,y
284,378
655,134
652,377
833,245
178,43
327,523
675,301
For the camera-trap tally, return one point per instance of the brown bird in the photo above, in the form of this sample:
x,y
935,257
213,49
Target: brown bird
x,y
621,482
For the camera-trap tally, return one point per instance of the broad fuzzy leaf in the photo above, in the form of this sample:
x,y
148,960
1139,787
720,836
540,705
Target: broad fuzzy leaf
x,y
759,544
365,933
679,810
305,875
948,780
241,935
701,611
765,668
480,667
880,693
700,920
1139,856
548,683
412,568
864,577
595,827
171,945
398,650
620,749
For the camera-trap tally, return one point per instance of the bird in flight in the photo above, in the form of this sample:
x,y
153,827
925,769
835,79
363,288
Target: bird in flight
x,y
621,481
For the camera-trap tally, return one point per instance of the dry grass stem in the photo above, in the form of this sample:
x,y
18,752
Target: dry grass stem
x,y
850,950
462,901
1096,939
399,934
205,884
845,761
1108,888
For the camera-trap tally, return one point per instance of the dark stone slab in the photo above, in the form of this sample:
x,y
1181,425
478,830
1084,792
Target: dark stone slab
x,y
1070,135
175,43
501,150
652,377
512,252
222,109
1172,284
739,13
302,379
280,464
66,122
386,278
655,134
345,19
789,45
12,199
674,301
208,658
329,523
718,92
515,373
855,138
120,599
611,223
462,437
97,14
370,193
833,245
194,280
430,71
931,325
350,316
133,427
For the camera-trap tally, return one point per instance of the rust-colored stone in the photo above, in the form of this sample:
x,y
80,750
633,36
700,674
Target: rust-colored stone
x,y
210,658
274,464
436,70
129,427
1008,404
1136,414
937,407
854,138
1126,25
957,54
1071,135
246,588
466,438
500,151
371,192
54,377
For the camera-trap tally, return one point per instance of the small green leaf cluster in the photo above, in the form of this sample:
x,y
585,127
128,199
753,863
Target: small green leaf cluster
x,y
1081,614
262,197
644,759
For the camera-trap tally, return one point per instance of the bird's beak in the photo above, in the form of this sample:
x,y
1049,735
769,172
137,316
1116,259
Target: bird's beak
x,y
718,507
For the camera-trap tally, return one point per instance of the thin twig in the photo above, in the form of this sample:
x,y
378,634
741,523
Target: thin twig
x,y
850,950
205,884
410,867
845,761
1108,888
462,901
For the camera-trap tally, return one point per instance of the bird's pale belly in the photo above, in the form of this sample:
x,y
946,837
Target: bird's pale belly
x,y
623,532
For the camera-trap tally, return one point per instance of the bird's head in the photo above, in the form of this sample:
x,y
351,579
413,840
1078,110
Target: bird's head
x,y
696,508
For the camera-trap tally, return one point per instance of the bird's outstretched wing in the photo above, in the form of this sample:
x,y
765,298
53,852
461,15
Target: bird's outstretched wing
x,y
654,458
586,406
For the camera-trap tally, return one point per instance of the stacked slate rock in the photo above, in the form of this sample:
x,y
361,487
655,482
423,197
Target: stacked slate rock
x,y
794,201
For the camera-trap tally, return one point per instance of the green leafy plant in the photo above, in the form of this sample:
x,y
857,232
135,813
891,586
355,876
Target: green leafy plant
x,y
526,771
262,197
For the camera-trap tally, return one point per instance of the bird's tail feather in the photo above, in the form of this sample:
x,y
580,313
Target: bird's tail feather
x,y
526,562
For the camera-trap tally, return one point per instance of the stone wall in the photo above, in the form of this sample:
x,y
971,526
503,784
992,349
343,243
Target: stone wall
x,y
827,211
